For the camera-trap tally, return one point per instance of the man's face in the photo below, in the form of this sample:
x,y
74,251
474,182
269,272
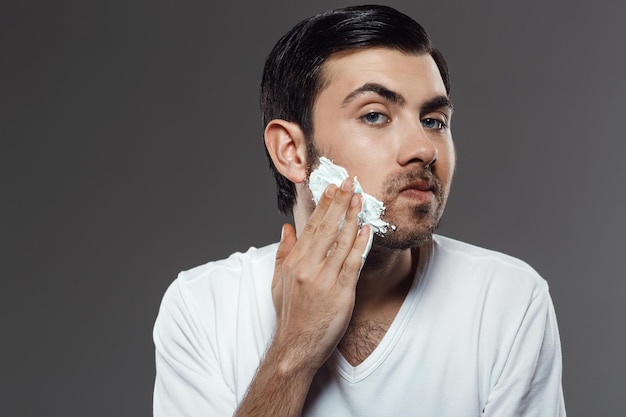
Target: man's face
x,y
384,116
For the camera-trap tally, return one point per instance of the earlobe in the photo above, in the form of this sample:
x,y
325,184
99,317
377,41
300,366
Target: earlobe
x,y
287,147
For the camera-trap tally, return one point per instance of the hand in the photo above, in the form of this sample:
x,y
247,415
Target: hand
x,y
315,279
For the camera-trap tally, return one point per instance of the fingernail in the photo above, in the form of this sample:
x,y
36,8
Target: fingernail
x,y
347,185
355,200
330,190
369,243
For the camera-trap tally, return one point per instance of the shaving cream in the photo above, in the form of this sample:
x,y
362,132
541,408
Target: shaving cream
x,y
328,173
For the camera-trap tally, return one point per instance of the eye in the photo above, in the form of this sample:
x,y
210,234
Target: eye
x,y
375,118
430,123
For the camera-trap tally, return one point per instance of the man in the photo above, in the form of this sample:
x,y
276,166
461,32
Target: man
x,y
426,326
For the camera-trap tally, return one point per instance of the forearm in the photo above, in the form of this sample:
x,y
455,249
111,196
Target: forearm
x,y
313,291
279,388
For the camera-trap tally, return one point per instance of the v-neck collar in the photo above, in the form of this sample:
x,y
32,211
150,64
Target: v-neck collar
x,y
354,374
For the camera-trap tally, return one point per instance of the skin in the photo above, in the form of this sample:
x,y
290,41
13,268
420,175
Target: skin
x,y
386,141
384,116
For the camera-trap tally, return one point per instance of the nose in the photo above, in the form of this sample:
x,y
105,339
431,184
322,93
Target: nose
x,y
417,147
434,160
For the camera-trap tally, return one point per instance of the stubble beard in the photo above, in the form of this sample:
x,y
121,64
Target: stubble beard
x,y
414,225
410,231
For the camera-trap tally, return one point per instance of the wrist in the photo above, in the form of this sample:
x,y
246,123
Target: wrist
x,y
292,360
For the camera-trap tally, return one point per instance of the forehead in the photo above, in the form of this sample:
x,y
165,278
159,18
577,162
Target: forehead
x,y
410,74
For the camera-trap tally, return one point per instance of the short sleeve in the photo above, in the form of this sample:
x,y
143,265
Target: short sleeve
x,y
188,379
530,382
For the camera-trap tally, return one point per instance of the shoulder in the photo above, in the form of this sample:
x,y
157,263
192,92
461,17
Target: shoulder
x,y
500,292
216,285
214,322
255,263
467,252
485,267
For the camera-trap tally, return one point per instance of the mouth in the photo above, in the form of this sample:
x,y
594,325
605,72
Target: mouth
x,y
422,191
414,187
420,185
415,194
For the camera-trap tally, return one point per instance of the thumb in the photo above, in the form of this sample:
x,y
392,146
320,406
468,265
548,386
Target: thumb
x,y
287,242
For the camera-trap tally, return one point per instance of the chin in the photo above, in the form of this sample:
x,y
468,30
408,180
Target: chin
x,y
393,241
407,236
412,230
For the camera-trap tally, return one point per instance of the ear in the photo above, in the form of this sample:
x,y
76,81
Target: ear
x,y
286,145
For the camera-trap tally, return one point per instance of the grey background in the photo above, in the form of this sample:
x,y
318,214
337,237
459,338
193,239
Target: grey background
x,y
131,149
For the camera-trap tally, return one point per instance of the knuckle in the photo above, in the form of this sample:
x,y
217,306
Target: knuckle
x,y
310,228
325,228
341,246
300,275
350,269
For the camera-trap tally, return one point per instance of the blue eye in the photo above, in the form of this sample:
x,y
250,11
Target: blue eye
x,y
375,118
430,123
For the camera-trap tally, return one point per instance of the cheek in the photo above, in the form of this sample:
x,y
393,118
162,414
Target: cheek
x,y
373,184
367,174
447,165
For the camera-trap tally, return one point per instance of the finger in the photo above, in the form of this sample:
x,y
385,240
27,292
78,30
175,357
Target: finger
x,y
338,208
310,228
328,227
351,267
346,237
367,247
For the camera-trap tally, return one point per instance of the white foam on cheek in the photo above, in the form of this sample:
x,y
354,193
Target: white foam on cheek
x,y
328,173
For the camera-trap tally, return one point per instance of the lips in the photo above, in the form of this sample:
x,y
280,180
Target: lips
x,y
421,185
417,185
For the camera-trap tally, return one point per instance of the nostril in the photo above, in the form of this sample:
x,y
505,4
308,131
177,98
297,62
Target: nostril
x,y
434,160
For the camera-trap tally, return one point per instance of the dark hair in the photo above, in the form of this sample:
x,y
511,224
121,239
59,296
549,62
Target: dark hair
x,y
292,74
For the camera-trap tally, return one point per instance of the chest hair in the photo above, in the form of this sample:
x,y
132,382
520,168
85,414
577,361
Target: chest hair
x,y
361,338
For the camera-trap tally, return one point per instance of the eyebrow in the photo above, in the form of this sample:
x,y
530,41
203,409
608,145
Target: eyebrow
x,y
397,98
437,103
376,88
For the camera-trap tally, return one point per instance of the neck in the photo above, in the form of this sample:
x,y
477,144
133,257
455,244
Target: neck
x,y
386,276
383,285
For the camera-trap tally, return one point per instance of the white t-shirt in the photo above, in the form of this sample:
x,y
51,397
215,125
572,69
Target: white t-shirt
x,y
475,336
